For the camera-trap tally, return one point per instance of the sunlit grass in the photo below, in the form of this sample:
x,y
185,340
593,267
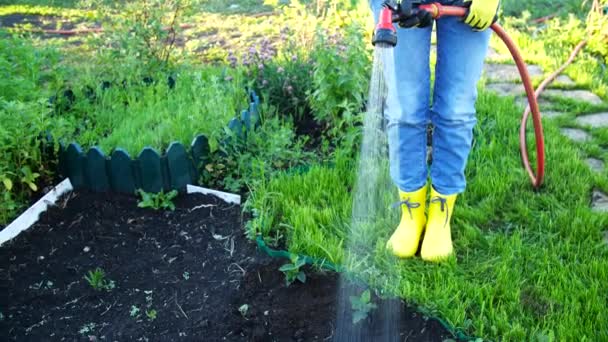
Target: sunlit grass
x,y
529,264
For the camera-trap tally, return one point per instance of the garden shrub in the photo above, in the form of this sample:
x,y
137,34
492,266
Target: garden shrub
x,y
257,155
282,77
143,38
25,116
341,78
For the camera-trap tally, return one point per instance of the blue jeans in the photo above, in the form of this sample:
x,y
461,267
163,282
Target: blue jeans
x,y
460,57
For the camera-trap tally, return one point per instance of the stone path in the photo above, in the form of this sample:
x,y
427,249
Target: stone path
x,y
504,80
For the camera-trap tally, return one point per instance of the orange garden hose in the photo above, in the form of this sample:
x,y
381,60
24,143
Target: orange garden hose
x,y
438,11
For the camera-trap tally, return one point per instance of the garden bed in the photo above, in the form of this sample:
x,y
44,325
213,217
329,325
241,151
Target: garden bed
x,y
180,275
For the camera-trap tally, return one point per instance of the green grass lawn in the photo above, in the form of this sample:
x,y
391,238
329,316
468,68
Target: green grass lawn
x,y
529,264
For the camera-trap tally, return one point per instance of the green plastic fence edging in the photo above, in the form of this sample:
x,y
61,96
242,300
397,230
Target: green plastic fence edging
x,y
322,263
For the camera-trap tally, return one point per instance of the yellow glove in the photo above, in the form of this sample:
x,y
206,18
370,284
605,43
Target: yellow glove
x,y
482,13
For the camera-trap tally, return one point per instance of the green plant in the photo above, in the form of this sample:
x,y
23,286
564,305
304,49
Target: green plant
x,y
293,270
341,78
134,312
87,328
26,159
264,152
157,201
243,309
144,35
361,306
151,314
283,76
97,280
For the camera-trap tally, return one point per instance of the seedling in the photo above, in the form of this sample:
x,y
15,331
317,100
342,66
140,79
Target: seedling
x,y
97,280
157,201
292,271
243,309
134,311
87,328
361,306
151,314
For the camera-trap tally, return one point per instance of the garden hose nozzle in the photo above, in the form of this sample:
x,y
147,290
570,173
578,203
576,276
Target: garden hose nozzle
x,y
385,30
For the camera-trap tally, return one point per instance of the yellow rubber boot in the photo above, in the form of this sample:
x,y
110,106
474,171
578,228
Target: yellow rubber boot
x,y
406,238
437,243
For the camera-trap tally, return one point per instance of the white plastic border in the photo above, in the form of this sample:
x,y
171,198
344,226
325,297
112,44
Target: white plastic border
x,y
227,197
31,215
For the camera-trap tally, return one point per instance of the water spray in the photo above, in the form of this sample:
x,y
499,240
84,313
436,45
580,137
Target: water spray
x,y
411,14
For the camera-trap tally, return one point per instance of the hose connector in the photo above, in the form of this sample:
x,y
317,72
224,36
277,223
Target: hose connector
x,y
385,32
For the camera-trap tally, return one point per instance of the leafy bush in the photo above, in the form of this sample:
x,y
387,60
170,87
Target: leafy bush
x,y
143,37
264,152
341,78
597,28
281,77
25,117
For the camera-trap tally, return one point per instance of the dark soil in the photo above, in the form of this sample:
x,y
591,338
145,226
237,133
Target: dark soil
x,y
193,266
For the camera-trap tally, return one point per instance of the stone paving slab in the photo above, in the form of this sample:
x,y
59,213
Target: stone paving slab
x,y
506,89
576,134
578,95
599,201
595,165
563,80
594,120
543,103
509,72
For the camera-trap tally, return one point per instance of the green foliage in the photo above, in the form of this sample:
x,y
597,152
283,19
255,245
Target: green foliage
x,y
293,272
305,211
153,110
157,201
341,78
25,117
134,312
284,80
541,8
264,152
244,309
87,328
97,280
151,314
597,28
361,306
143,36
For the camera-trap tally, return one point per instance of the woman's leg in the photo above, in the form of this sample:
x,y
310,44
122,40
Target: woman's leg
x,y
460,57
407,114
